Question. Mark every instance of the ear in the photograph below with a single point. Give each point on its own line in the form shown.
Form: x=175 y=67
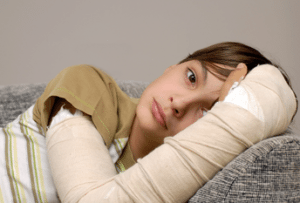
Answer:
x=236 y=75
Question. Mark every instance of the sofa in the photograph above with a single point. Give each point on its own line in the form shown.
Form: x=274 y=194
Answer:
x=269 y=171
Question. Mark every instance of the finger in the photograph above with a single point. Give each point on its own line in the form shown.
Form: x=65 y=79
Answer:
x=235 y=76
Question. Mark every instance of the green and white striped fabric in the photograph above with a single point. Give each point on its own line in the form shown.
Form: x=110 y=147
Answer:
x=24 y=167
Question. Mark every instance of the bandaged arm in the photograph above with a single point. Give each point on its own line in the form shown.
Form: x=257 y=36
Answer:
x=83 y=170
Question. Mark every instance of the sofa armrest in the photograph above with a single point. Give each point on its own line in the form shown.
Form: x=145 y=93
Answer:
x=267 y=172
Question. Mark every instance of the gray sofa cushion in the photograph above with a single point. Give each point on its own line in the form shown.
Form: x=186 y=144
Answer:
x=267 y=172
x=15 y=99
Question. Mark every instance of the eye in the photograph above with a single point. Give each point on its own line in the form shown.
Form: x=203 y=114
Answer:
x=191 y=76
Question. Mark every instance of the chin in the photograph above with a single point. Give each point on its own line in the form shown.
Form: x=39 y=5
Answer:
x=148 y=125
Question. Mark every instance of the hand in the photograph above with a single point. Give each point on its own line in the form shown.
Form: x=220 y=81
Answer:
x=236 y=75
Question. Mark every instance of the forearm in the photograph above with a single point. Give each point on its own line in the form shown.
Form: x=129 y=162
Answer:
x=177 y=169
x=83 y=170
x=77 y=156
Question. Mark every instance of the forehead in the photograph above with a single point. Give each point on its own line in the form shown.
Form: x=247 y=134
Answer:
x=194 y=63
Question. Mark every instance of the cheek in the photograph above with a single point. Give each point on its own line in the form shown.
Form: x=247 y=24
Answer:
x=143 y=115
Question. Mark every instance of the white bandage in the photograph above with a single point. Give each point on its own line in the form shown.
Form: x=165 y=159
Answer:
x=239 y=96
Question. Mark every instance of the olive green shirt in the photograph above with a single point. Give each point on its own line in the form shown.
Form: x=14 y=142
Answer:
x=93 y=92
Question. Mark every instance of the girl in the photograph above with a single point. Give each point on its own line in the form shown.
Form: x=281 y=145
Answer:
x=94 y=130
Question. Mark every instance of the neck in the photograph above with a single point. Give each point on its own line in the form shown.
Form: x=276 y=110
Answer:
x=140 y=144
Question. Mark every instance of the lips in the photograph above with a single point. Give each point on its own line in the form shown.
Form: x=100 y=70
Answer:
x=158 y=113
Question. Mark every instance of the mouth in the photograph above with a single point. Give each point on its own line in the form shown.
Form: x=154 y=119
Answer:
x=158 y=113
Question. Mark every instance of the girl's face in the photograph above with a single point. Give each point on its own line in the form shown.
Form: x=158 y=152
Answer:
x=176 y=99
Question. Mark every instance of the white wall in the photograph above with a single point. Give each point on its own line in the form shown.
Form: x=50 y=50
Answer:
x=137 y=40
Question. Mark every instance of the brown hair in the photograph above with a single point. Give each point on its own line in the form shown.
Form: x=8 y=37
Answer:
x=231 y=54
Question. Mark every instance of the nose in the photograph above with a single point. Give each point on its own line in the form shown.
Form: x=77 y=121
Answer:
x=180 y=105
